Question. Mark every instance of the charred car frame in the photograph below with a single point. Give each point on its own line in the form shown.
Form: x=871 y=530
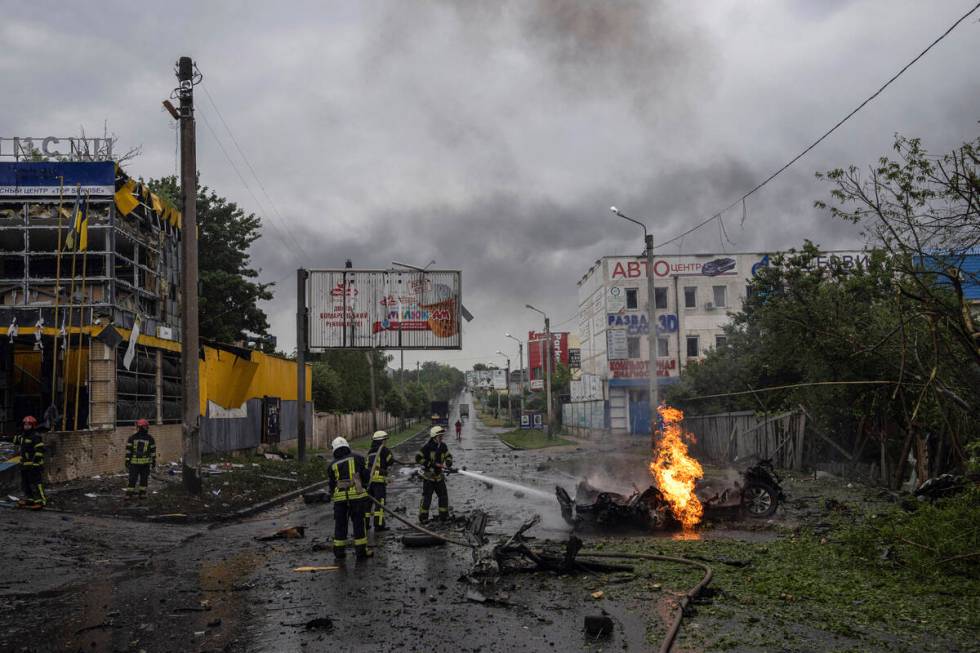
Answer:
x=757 y=495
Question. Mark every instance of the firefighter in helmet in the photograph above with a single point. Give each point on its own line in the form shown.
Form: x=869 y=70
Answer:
x=434 y=457
x=348 y=480
x=31 y=465
x=141 y=456
x=380 y=460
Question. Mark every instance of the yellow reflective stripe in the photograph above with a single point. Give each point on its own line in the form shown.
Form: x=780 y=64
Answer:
x=361 y=541
x=340 y=543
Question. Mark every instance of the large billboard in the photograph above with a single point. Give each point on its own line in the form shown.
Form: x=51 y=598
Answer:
x=383 y=309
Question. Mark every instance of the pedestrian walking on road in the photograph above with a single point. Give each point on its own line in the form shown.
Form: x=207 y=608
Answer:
x=348 y=479
x=380 y=460
x=459 y=430
x=31 y=465
x=141 y=457
x=435 y=459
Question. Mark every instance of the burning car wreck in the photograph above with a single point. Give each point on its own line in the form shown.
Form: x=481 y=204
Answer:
x=756 y=494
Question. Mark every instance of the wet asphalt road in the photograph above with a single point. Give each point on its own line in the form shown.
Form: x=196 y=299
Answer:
x=112 y=584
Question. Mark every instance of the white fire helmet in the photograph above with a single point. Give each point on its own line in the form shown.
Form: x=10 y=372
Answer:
x=380 y=435
x=436 y=430
x=338 y=443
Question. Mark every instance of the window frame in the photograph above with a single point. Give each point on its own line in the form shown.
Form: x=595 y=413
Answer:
x=690 y=293
x=697 y=345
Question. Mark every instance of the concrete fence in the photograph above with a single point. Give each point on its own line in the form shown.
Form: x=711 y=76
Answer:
x=327 y=426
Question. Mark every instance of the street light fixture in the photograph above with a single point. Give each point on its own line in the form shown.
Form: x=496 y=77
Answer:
x=510 y=409
x=651 y=314
x=520 y=357
x=547 y=366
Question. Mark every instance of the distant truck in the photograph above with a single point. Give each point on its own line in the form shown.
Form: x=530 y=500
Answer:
x=439 y=410
x=464 y=411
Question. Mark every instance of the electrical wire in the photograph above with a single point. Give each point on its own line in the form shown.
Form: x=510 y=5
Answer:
x=792 y=385
x=255 y=175
x=241 y=178
x=717 y=215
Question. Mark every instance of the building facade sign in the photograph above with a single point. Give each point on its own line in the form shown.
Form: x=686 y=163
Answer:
x=383 y=309
x=617 y=346
x=636 y=368
x=54 y=178
x=681 y=266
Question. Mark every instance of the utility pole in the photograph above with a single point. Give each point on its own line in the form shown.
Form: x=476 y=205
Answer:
x=374 y=405
x=190 y=340
x=301 y=277
x=520 y=358
x=651 y=315
x=547 y=373
x=547 y=365
x=652 y=332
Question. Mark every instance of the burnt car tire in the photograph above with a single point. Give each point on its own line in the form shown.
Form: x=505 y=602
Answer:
x=760 y=500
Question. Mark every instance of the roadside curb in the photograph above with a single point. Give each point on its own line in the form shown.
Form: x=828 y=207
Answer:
x=241 y=513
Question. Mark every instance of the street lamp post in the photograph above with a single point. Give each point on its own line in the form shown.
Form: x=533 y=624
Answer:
x=510 y=409
x=651 y=314
x=520 y=357
x=547 y=366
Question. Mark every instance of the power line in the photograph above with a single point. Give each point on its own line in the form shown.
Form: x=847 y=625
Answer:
x=717 y=215
x=252 y=170
x=793 y=385
x=234 y=167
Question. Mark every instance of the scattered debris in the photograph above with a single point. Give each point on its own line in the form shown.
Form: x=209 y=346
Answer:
x=941 y=486
x=421 y=540
x=290 y=533
x=279 y=478
x=273 y=456
x=598 y=595
x=320 y=496
x=303 y=569
x=91 y=495
x=598 y=626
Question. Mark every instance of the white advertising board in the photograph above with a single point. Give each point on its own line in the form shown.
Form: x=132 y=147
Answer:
x=617 y=346
x=383 y=309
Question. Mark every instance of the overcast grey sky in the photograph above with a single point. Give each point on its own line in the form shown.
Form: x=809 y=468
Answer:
x=493 y=136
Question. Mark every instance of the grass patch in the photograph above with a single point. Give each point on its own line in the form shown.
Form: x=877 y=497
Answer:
x=394 y=437
x=531 y=439
x=856 y=587
x=496 y=422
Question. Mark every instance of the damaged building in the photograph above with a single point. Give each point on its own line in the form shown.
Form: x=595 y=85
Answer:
x=69 y=302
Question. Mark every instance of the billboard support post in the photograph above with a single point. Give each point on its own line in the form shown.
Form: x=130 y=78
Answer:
x=301 y=276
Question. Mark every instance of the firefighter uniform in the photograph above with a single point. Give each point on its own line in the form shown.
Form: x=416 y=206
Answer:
x=32 y=468
x=141 y=456
x=380 y=460
x=348 y=480
x=434 y=457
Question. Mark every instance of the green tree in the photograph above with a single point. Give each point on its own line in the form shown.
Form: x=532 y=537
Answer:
x=229 y=290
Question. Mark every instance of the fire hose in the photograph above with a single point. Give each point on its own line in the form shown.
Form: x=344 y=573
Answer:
x=420 y=528
x=675 y=627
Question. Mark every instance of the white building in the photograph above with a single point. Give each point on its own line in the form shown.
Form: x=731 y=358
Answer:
x=695 y=295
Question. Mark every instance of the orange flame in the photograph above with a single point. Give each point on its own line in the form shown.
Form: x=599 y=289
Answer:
x=676 y=471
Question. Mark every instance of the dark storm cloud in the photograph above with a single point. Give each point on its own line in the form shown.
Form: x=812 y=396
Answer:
x=493 y=136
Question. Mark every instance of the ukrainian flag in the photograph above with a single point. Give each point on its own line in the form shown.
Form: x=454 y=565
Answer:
x=77 y=238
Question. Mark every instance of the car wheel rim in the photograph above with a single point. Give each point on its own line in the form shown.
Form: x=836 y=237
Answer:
x=759 y=501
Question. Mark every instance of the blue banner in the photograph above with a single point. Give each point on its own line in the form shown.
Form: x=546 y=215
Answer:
x=46 y=178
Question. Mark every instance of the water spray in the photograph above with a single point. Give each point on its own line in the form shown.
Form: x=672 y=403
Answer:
x=510 y=485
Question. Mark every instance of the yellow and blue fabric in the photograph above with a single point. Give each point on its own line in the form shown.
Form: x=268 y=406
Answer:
x=77 y=238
